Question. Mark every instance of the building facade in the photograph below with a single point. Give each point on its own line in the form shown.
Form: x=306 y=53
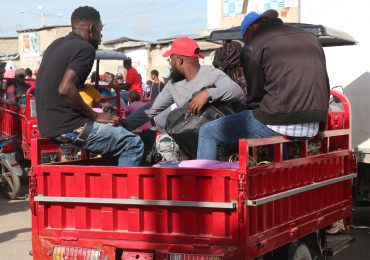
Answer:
x=147 y=56
x=33 y=42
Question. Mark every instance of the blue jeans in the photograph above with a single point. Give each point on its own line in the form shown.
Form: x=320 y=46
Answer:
x=124 y=95
x=229 y=130
x=115 y=141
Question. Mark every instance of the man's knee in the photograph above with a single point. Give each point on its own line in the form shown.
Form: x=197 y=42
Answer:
x=137 y=143
x=205 y=130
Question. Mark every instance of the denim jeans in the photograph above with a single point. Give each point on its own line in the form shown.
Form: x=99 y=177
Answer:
x=115 y=141
x=229 y=130
x=124 y=95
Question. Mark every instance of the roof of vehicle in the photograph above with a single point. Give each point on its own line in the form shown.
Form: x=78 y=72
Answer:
x=109 y=55
x=327 y=36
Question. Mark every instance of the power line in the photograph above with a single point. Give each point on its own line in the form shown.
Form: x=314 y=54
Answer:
x=147 y=10
x=167 y=25
x=131 y=7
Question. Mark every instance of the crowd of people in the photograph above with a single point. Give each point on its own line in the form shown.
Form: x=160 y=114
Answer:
x=14 y=83
x=287 y=90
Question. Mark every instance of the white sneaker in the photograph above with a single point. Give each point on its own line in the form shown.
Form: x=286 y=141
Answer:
x=336 y=227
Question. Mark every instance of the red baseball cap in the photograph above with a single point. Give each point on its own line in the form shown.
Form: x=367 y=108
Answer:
x=184 y=46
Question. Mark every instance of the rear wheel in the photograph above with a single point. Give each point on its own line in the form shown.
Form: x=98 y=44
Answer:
x=9 y=184
x=299 y=251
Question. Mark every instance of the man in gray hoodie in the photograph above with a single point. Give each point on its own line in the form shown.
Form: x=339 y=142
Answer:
x=188 y=77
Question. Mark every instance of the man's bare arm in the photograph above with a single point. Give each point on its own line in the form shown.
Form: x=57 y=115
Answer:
x=68 y=89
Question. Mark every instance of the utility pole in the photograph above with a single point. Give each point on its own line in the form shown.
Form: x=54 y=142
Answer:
x=41 y=15
x=245 y=6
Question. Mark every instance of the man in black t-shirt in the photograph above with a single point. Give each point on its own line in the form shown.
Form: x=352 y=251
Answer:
x=61 y=112
x=156 y=86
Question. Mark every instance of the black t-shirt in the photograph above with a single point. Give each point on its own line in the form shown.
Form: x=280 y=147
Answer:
x=155 y=89
x=54 y=114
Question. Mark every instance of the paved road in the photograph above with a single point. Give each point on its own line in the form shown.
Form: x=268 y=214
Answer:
x=15 y=228
x=15 y=231
x=360 y=250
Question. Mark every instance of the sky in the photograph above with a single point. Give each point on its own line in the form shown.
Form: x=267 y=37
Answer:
x=137 y=19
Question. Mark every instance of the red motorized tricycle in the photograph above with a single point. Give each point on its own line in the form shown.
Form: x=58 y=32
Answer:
x=17 y=127
x=278 y=208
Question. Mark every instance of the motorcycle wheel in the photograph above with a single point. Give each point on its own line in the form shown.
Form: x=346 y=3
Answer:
x=10 y=183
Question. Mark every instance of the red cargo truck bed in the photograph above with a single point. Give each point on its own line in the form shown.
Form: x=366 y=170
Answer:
x=177 y=212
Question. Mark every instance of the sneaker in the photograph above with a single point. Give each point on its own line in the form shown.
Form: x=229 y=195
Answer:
x=336 y=228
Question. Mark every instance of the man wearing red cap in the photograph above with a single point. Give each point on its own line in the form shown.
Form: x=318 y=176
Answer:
x=188 y=77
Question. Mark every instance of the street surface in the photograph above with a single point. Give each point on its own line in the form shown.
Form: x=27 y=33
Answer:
x=15 y=228
x=15 y=231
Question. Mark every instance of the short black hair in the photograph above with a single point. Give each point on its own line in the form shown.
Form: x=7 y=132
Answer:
x=155 y=72
x=113 y=76
x=127 y=62
x=85 y=13
x=28 y=72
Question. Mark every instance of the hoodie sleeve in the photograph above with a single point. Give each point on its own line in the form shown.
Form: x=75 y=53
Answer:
x=225 y=88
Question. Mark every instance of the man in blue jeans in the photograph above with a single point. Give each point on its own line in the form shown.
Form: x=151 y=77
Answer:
x=287 y=86
x=61 y=112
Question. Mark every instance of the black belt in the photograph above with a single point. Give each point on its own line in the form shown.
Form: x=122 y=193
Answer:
x=81 y=136
x=85 y=132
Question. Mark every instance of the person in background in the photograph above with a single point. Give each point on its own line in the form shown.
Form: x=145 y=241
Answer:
x=110 y=78
x=16 y=91
x=156 y=86
x=146 y=132
x=133 y=79
x=28 y=73
x=61 y=112
x=31 y=80
x=92 y=97
x=106 y=81
x=287 y=89
x=123 y=89
x=119 y=82
x=134 y=104
x=2 y=85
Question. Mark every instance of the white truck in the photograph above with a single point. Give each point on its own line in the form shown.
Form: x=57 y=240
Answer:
x=349 y=66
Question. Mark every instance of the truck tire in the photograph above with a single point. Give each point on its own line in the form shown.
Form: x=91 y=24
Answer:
x=10 y=183
x=299 y=252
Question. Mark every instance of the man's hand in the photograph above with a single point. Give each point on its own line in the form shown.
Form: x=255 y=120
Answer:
x=319 y=137
x=106 y=118
x=198 y=102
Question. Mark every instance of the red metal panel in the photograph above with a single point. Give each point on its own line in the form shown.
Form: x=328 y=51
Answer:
x=200 y=185
x=294 y=207
x=162 y=229
x=11 y=120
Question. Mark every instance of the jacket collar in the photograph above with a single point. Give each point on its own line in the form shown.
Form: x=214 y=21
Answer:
x=267 y=25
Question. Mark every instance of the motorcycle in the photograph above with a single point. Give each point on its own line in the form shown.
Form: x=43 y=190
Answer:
x=10 y=170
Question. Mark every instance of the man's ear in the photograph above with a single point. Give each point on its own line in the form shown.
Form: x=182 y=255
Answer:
x=254 y=27
x=91 y=28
